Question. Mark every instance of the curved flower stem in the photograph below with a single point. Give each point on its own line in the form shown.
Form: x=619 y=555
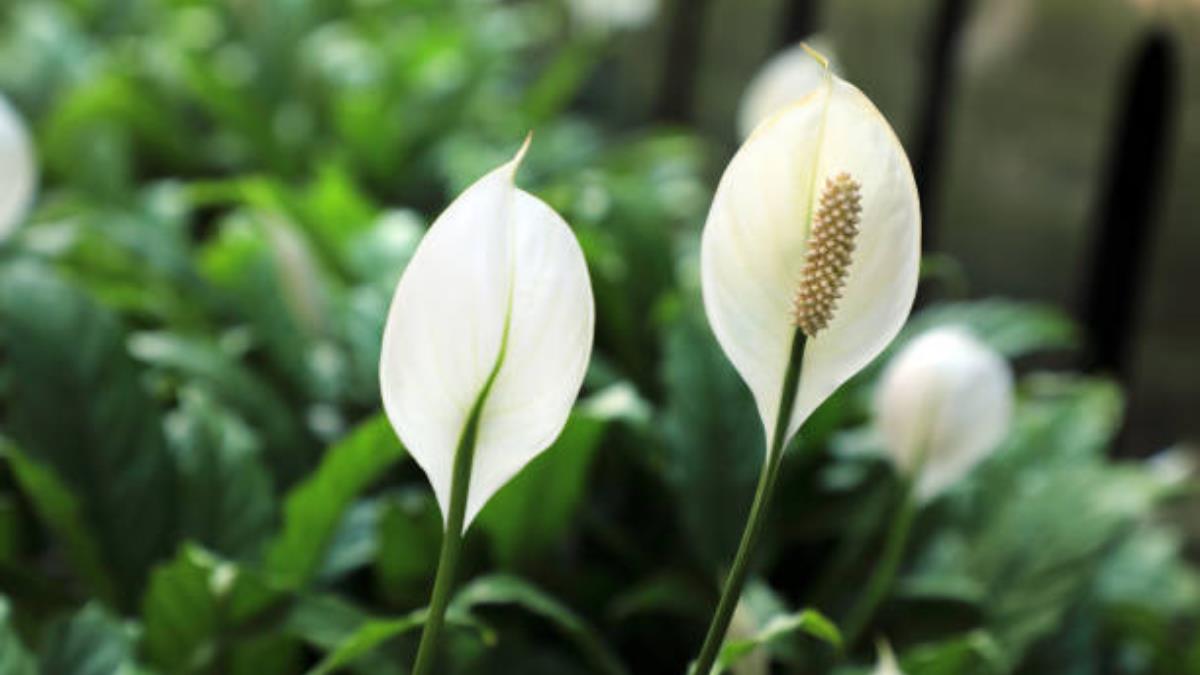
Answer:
x=736 y=579
x=452 y=539
x=885 y=571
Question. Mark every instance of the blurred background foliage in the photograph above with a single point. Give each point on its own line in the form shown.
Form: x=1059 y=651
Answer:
x=196 y=475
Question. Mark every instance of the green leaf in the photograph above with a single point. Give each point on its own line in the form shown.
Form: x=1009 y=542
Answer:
x=533 y=513
x=202 y=363
x=714 y=439
x=975 y=652
x=225 y=495
x=315 y=508
x=92 y=642
x=366 y=638
x=808 y=621
x=201 y=614
x=1011 y=327
x=14 y=658
x=60 y=511
x=75 y=404
x=180 y=611
x=410 y=534
x=509 y=590
x=351 y=636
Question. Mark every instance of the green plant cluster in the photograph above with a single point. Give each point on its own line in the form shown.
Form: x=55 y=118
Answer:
x=196 y=477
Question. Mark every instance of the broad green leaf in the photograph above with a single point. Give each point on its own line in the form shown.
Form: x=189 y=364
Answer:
x=368 y=636
x=975 y=653
x=14 y=658
x=202 y=363
x=410 y=534
x=180 y=611
x=353 y=637
x=75 y=403
x=509 y=590
x=60 y=511
x=226 y=502
x=714 y=440
x=314 y=509
x=1011 y=327
x=200 y=613
x=91 y=642
x=533 y=513
x=808 y=621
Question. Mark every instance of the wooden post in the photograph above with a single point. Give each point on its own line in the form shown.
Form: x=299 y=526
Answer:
x=799 y=21
x=937 y=91
x=682 y=61
x=1126 y=206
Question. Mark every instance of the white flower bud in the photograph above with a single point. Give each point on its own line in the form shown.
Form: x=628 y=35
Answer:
x=944 y=402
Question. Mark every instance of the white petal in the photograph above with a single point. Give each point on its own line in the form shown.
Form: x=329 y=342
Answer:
x=882 y=279
x=549 y=344
x=754 y=243
x=942 y=405
x=445 y=328
x=18 y=172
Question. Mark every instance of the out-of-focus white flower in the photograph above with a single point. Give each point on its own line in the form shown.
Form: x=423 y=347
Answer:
x=1175 y=465
x=944 y=402
x=608 y=15
x=886 y=665
x=491 y=323
x=18 y=170
x=786 y=78
x=996 y=30
x=813 y=236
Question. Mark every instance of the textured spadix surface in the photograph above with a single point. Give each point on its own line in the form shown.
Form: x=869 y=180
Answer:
x=758 y=233
x=498 y=283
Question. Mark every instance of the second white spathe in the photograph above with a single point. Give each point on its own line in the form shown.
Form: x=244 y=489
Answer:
x=943 y=403
x=757 y=240
x=496 y=292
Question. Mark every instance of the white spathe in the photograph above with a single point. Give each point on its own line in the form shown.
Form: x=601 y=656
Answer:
x=942 y=405
x=785 y=78
x=498 y=282
x=754 y=244
x=18 y=171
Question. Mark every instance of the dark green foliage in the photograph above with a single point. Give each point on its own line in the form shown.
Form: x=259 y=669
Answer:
x=196 y=478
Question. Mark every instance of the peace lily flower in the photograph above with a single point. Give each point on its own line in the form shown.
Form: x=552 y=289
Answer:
x=484 y=352
x=808 y=269
x=787 y=77
x=942 y=405
x=18 y=172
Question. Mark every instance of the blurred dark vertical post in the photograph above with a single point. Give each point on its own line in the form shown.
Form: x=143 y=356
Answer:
x=937 y=90
x=682 y=63
x=1126 y=204
x=799 y=21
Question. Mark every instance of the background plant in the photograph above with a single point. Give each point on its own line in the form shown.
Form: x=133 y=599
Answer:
x=197 y=478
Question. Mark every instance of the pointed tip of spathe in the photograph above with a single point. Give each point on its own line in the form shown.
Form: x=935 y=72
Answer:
x=818 y=56
x=515 y=162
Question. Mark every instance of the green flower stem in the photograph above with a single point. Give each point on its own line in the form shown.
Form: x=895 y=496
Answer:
x=736 y=579
x=452 y=539
x=885 y=571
